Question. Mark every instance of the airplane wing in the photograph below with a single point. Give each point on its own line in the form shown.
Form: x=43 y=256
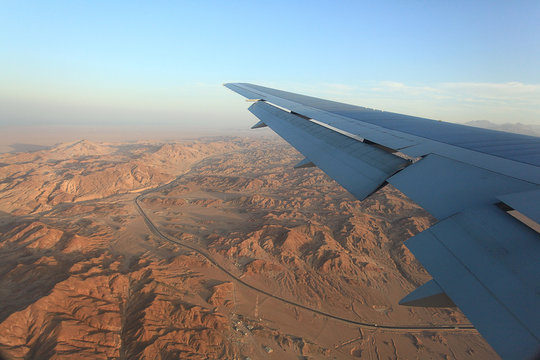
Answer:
x=482 y=185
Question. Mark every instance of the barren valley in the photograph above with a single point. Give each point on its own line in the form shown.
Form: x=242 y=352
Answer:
x=208 y=249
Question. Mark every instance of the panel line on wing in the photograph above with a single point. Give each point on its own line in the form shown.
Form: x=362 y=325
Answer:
x=387 y=130
x=531 y=223
x=483 y=258
x=369 y=142
x=359 y=167
x=440 y=132
x=387 y=149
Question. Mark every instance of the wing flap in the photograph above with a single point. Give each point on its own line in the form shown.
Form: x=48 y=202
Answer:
x=526 y=203
x=358 y=167
x=377 y=134
x=444 y=186
x=486 y=262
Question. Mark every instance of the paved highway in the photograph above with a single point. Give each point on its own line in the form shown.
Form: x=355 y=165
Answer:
x=367 y=325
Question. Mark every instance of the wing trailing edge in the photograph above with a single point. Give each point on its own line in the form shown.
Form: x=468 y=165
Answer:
x=482 y=185
x=359 y=167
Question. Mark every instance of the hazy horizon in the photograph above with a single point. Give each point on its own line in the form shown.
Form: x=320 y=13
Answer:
x=125 y=66
x=12 y=137
x=31 y=138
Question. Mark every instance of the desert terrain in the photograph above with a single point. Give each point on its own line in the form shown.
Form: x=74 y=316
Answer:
x=208 y=249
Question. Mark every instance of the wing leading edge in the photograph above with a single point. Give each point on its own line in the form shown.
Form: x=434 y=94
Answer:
x=482 y=185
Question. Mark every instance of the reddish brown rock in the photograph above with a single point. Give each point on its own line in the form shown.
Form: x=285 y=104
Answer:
x=83 y=276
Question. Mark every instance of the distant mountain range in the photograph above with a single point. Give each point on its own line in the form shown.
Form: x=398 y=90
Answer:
x=518 y=128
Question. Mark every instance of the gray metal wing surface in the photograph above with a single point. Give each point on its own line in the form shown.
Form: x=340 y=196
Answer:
x=482 y=185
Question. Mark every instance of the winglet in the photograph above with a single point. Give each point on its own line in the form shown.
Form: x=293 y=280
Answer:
x=428 y=295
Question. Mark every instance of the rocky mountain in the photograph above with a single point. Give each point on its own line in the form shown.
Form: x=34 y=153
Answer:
x=82 y=171
x=212 y=249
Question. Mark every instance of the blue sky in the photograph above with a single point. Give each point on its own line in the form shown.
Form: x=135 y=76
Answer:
x=161 y=63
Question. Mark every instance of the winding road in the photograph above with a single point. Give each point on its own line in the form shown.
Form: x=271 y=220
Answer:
x=366 y=325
